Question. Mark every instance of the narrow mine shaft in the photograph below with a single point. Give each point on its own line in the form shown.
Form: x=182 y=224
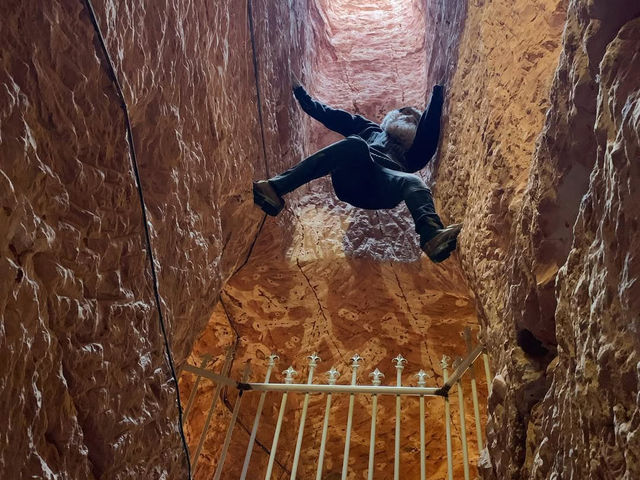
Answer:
x=326 y=277
x=130 y=134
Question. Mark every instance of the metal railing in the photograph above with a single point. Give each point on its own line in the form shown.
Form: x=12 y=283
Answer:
x=461 y=367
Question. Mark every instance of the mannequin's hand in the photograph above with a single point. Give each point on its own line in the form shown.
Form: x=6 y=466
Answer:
x=295 y=83
x=438 y=90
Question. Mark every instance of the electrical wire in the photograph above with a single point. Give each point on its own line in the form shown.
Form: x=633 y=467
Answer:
x=147 y=234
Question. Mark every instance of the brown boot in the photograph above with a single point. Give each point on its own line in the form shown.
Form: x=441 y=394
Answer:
x=440 y=246
x=265 y=196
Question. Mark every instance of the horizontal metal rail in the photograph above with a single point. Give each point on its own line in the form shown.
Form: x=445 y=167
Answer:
x=356 y=389
x=462 y=366
x=305 y=388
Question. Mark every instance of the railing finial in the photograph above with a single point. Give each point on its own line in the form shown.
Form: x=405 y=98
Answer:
x=444 y=363
x=289 y=373
x=355 y=361
x=422 y=376
x=272 y=359
x=314 y=359
x=400 y=361
x=333 y=375
x=376 y=375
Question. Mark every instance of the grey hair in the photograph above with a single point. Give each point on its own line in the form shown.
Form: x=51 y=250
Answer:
x=401 y=131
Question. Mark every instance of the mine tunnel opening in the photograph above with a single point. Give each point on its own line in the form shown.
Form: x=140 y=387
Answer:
x=328 y=278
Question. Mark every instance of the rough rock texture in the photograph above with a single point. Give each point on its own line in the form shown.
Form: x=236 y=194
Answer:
x=498 y=94
x=595 y=430
x=549 y=249
x=86 y=391
x=326 y=277
x=348 y=32
x=311 y=298
x=85 y=388
x=549 y=244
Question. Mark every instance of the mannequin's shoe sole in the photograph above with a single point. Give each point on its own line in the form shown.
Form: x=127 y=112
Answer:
x=266 y=198
x=439 y=248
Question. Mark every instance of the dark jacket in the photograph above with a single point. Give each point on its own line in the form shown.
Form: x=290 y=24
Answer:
x=384 y=150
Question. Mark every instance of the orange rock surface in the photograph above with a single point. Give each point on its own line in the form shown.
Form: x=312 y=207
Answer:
x=336 y=280
x=538 y=161
x=85 y=387
x=538 y=158
x=322 y=301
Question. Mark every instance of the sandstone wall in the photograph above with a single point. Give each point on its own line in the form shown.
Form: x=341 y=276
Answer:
x=538 y=159
x=549 y=234
x=593 y=430
x=85 y=387
x=498 y=95
x=369 y=57
x=326 y=277
x=298 y=304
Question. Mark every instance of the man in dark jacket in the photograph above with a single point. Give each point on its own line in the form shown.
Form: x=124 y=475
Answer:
x=370 y=167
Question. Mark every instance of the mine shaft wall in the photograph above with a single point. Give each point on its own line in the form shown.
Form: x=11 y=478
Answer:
x=329 y=278
x=85 y=387
x=539 y=159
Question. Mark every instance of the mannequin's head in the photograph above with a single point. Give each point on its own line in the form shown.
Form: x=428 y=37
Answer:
x=401 y=125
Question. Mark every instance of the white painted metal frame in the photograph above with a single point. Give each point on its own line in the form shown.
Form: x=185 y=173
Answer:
x=256 y=421
x=232 y=423
x=463 y=427
x=422 y=376
x=376 y=375
x=205 y=428
x=313 y=363
x=333 y=375
x=447 y=418
x=192 y=396
x=352 y=398
x=474 y=390
x=289 y=374
x=461 y=367
x=399 y=361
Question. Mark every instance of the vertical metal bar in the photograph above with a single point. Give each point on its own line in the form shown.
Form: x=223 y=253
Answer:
x=399 y=361
x=232 y=422
x=289 y=374
x=463 y=428
x=276 y=436
x=476 y=413
x=423 y=466
x=214 y=400
x=192 y=396
x=313 y=363
x=376 y=375
x=474 y=390
x=256 y=421
x=487 y=372
x=333 y=376
x=447 y=414
x=422 y=375
x=347 y=440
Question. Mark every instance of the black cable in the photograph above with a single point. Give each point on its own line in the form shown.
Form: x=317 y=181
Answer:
x=147 y=235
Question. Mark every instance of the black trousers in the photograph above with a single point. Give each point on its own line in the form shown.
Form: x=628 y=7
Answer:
x=361 y=182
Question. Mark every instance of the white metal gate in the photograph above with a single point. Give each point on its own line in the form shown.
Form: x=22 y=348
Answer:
x=462 y=366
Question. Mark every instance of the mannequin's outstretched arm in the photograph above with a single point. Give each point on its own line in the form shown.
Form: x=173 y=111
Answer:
x=425 y=143
x=334 y=119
